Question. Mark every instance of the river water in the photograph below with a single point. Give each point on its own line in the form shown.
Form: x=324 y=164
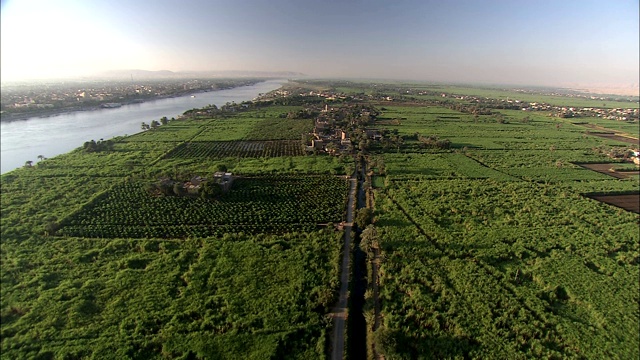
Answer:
x=24 y=140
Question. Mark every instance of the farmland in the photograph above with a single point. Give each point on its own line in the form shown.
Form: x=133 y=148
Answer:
x=272 y=204
x=492 y=244
x=94 y=265
x=494 y=248
x=250 y=149
x=116 y=298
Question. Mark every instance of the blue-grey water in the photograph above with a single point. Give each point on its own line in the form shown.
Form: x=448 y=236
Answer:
x=24 y=140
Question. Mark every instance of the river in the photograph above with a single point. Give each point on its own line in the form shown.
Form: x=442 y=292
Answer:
x=24 y=140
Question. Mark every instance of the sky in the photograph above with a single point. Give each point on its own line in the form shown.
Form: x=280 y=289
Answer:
x=528 y=42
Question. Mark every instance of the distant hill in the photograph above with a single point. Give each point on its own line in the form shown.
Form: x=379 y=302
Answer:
x=137 y=73
x=163 y=74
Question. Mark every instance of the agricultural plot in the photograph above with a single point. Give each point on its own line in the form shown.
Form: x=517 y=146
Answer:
x=242 y=149
x=497 y=93
x=172 y=132
x=615 y=137
x=292 y=165
x=123 y=160
x=628 y=127
x=541 y=165
x=616 y=170
x=234 y=297
x=630 y=202
x=437 y=166
x=23 y=195
x=254 y=205
x=539 y=132
x=280 y=129
x=491 y=250
x=226 y=129
x=506 y=269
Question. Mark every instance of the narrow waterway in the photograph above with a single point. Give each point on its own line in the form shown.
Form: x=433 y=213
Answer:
x=25 y=140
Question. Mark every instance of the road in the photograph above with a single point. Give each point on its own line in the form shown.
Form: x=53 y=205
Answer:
x=339 y=312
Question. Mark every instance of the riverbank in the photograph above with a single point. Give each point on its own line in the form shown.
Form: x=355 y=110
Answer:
x=45 y=113
x=26 y=140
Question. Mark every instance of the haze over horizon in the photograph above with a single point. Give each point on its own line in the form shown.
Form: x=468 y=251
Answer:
x=550 y=43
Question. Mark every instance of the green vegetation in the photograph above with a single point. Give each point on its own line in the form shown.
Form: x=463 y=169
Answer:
x=255 y=297
x=480 y=238
x=255 y=205
x=610 y=101
x=93 y=265
x=251 y=149
x=485 y=268
x=490 y=249
x=280 y=129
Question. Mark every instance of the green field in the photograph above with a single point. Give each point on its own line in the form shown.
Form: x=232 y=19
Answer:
x=491 y=251
x=272 y=204
x=501 y=93
x=128 y=274
x=485 y=248
x=236 y=296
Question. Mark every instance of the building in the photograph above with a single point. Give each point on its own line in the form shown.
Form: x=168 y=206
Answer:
x=224 y=179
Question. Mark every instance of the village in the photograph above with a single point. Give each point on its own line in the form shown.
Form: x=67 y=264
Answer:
x=24 y=99
x=337 y=129
x=474 y=104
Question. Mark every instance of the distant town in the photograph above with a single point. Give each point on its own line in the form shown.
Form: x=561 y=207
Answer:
x=21 y=101
x=479 y=105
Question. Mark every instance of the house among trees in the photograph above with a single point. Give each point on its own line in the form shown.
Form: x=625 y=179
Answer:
x=373 y=134
x=317 y=144
x=344 y=139
x=224 y=179
x=193 y=186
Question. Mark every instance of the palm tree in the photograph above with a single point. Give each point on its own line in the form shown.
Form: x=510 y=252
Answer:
x=41 y=157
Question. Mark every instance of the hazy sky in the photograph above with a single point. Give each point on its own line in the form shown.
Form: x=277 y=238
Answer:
x=512 y=41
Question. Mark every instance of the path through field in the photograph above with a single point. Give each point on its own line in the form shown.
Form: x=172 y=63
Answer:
x=339 y=312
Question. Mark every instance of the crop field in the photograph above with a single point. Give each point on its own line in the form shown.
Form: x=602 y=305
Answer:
x=630 y=202
x=539 y=132
x=616 y=137
x=239 y=296
x=483 y=268
x=280 y=129
x=437 y=166
x=243 y=149
x=628 y=127
x=226 y=129
x=504 y=245
x=172 y=133
x=491 y=249
x=255 y=205
x=612 y=169
x=497 y=93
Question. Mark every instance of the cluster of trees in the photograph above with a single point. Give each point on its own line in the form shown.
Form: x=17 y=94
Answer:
x=433 y=142
x=98 y=146
x=29 y=163
x=155 y=123
x=306 y=113
x=208 y=189
x=364 y=218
